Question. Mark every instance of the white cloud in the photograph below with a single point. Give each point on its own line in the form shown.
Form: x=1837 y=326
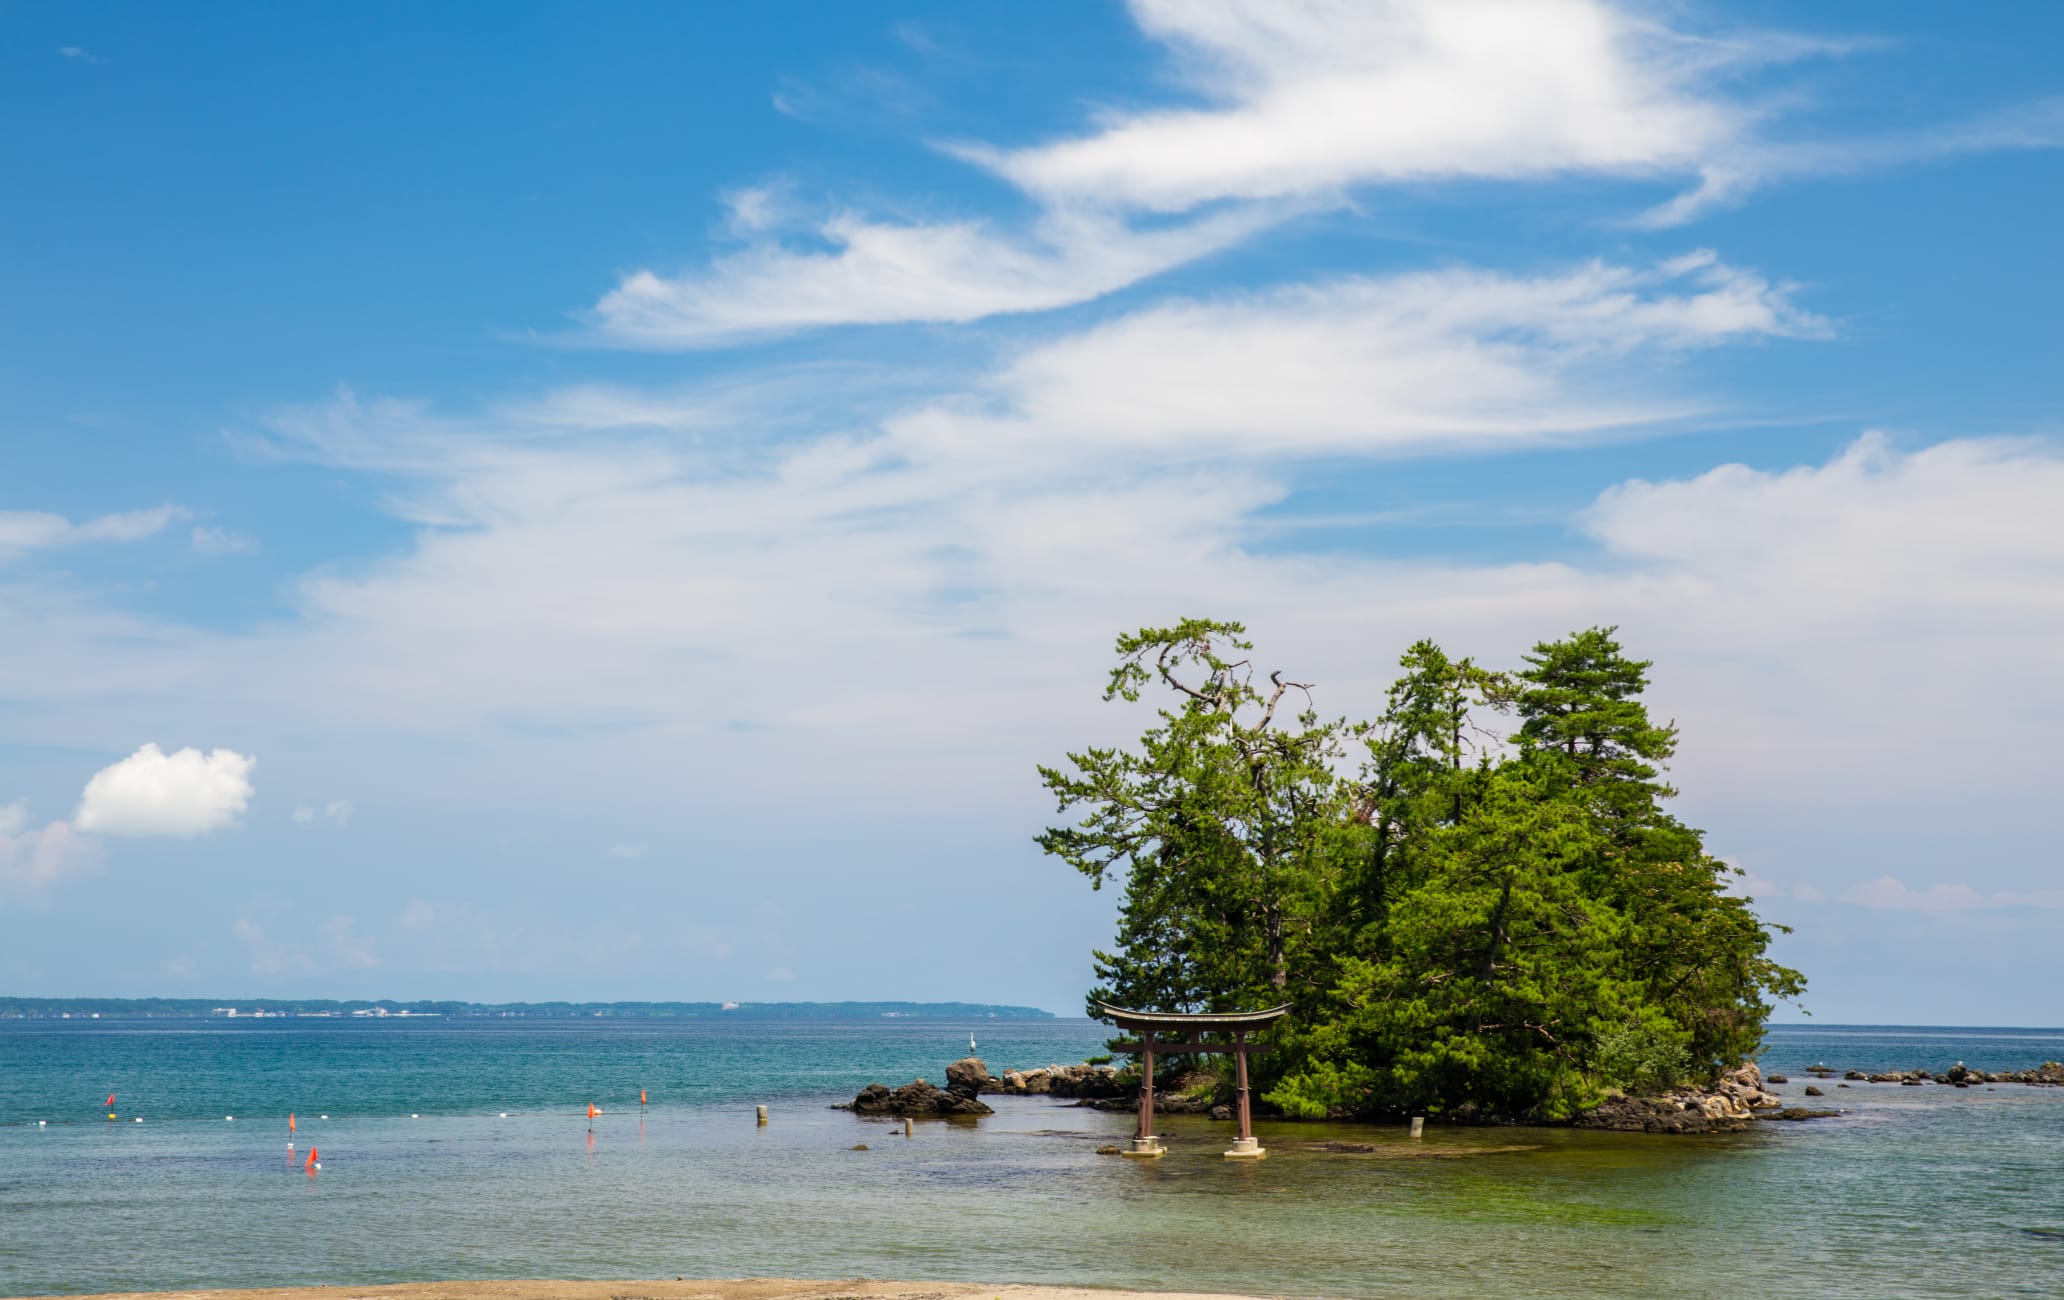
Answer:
x=878 y=273
x=33 y=859
x=1309 y=99
x=29 y=530
x=268 y=956
x=1755 y=164
x=337 y=814
x=211 y=540
x=345 y=946
x=1889 y=893
x=178 y=794
x=1429 y=361
x=1316 y=97
x=1305 y=102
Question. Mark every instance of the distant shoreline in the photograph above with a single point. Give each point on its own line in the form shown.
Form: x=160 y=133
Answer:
x=678 y=1289
x=384 y=1009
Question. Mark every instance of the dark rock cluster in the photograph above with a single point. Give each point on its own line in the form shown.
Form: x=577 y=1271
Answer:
x=2050 y=1074
x=920 y=1100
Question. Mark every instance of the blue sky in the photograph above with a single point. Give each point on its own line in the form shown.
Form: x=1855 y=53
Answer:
x=618 y=501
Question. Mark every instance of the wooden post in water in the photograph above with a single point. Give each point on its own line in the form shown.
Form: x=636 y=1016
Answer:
x=909 y=1127
x=762 y=1112
x=1145 y=1145
x=1418 y=1126
x=1244 y=1147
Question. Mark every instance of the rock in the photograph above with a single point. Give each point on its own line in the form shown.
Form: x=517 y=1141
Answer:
x=1077 y=1081
x=1800 y=1112
x=1857 y=1075
x=1745 y=1084
x=968 y=1075
x=862 y=1146
x=1812 y=1091
x=1727 y=1107
x=919 y=1100
x=1778 y=1078
x=1221 y=1112
x=1676 y=1113
x=2049 y=1074
x=1350 y=1148
x=1109 y=1151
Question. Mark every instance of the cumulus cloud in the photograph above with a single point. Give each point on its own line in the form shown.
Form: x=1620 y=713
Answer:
x=30 y=530
x=33 y=859
x=183 y=793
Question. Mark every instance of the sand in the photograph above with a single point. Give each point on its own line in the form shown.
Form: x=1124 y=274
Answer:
x=758 y=1288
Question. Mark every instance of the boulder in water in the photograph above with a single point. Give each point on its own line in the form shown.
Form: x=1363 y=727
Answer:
x=918 y=1100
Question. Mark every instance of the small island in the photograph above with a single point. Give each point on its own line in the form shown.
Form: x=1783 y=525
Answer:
x=1477 y=905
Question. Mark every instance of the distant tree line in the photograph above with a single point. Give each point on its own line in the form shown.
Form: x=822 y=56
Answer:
x=1478 y=899
x=205 y=1008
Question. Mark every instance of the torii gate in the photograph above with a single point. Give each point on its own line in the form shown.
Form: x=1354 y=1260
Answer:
x=1180 y=1032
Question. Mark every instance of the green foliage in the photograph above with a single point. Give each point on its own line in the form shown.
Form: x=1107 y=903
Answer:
x=1512 y=924
x=1218 y=822
x=1640 y=1056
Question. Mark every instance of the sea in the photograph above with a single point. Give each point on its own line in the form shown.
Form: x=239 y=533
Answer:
x=463 y=1149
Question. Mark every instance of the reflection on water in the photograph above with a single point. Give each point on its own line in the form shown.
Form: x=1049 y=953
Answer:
x=1916 y=1191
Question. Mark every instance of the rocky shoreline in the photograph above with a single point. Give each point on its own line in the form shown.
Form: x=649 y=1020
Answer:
x=1737 y=1102
x=2050 y=1074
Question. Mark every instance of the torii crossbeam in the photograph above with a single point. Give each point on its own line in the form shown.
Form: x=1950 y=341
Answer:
x=1183 y=1033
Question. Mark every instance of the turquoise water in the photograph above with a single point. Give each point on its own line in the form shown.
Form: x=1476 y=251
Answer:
x=1914 y=1191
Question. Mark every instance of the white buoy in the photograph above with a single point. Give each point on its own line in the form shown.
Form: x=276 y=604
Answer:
x=229 y=1119
x=139 y=1119
x=322 y=1116
x=415 y=1117
x=505 y=1114
x=42 y=1123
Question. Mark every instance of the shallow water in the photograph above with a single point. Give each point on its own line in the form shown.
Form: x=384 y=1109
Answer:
x=1913 y=1191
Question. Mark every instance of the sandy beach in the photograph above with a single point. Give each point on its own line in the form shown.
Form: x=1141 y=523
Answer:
x=757 y=1288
